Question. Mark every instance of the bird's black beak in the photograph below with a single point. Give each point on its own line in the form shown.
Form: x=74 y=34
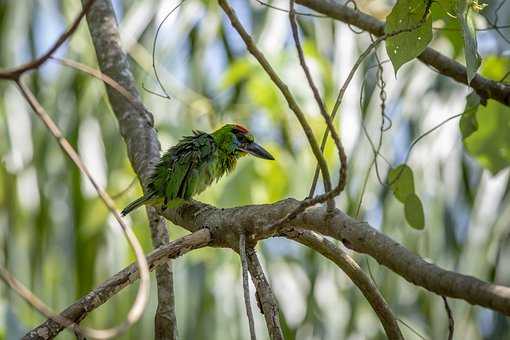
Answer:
x=256 y=150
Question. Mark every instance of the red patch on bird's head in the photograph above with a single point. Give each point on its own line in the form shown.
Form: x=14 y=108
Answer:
x=240 y=128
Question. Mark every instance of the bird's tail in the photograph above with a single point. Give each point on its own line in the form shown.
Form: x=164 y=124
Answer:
x=136 y=204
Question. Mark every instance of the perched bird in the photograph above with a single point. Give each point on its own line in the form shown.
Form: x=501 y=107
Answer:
x=189 y=167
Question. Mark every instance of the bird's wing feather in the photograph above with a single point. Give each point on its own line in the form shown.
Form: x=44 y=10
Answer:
x=178 y=173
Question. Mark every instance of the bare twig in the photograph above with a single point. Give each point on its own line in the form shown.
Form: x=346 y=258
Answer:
x=101 y=76
x=154 y=44
x=265 y=294
x=246 y=286
x=451 y=322
x=15 y=73
x=35 y=302
x=355 y=273
x=250 y=45
x=142 y=296
x=157 y=258
x=268 y=5
x=329 y=122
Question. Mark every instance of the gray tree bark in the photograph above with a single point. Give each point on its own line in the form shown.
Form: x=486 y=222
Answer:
x=137 y=128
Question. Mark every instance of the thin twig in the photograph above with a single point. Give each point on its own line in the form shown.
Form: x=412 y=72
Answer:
x=35 y=302
x=284 y=89
x=287 y=11
x=101 y=76
x=246 y=286
x=354 y=272
x=154 y=44
x=265 y=295
x=15 y=73
x=141 y=299
x=102 y=293
x=329 y=122
x=451 y=322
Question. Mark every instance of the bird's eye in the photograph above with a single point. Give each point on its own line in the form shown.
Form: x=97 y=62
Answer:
x=242 y=139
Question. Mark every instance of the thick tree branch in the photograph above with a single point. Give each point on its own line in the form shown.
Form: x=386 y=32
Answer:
x=157 y=258
x=136 y=127
x=485 y=88
x=359 y=236
x=352 y=269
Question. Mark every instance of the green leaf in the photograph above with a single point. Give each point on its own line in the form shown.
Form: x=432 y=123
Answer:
x=405 y=46
x=414 y=212
x=465 y=14
x=401 y=182
x=490 y=143
x=468 y=123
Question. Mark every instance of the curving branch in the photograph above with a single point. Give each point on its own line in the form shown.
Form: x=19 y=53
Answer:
x=485 y=88
x=322 y=108
x=354 y=272
x=359 y=236
x=102 y=293
x=284 y=89
x=16 y=72
x=137 y=128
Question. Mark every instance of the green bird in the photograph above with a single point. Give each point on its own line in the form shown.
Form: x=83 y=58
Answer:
x=189 y=167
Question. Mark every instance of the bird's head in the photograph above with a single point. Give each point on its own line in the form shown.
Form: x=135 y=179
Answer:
x=236 y=139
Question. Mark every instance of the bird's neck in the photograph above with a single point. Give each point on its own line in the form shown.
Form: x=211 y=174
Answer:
x=227 y=161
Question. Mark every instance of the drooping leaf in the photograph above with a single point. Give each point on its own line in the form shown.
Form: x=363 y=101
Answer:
x=490 y=143
x=465 y=15
x=414 y=212
x=413 y=16
x=401 y=182
x=468 y=123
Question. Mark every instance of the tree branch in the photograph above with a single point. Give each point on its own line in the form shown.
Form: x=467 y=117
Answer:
x=136 y=127
x=355 y=273
x=322 y=108
x=268 y=302
x=156 y=259
x=246 y=286
x=359 y=236
x=485 y=88
x=143 y=291
x=15 y=73
x=284 y=89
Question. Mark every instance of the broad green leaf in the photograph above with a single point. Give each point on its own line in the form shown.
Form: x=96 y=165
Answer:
x=490 y=143
x=405 y=46
x=444 y=15
x=468 y=123
x=414 y=212
x=465 y=14
x=401 y=182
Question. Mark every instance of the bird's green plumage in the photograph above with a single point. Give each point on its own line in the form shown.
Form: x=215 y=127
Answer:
x=189 y=167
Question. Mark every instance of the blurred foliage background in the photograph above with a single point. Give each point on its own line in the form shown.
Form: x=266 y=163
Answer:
x=57 y=237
